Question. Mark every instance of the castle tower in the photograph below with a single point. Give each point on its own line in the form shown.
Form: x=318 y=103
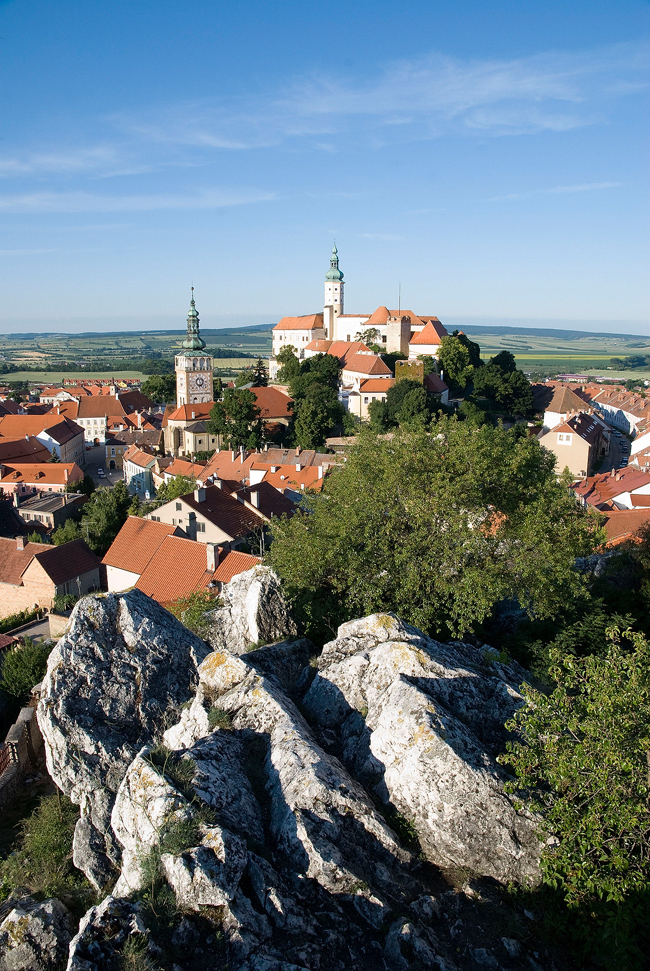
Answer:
x=333 y=305
x=192 y=365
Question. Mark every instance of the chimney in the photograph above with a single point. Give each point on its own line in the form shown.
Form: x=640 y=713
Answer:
x=199 y=494
x=241 y=453
x=20 y=542
x=232 y=455
x=320 y=471
x=193 y=414
x=298 y=466
x=16 y=499
x=255 y=498
x=212 y=557
x=66 y=474
x=26 y=438
x=297 y=451
x=58 y=409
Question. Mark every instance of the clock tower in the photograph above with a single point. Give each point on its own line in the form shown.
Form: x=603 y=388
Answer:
x=192 y=365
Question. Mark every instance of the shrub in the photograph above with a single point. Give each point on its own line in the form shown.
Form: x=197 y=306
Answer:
x=43 y=860
x=219 y=718
x=191 y=610
x=23 y=667
x=18 y=619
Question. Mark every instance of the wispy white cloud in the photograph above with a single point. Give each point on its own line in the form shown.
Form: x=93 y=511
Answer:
x=44 y=202
x=408 y=100
x=559 y=190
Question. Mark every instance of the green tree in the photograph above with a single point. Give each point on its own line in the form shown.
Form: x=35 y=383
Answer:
x=453 y=358
x=180 y=485
x=217 y=388
x=369 y=336
x=438 y=527
x=582 y=759
x=161 y=388
x=320 y=369
x=104 y=515
x=289 y=364
x=236 y=418
x=504 y=385
x=317 y=412
x=66 y=533
x=37 y=537
x=23 y=667
x=85 y=486
x=473 y=349
x=260 y=374
x=406 y=402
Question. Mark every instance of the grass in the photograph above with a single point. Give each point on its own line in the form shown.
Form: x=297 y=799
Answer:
x=219 y=718
x=42 y=858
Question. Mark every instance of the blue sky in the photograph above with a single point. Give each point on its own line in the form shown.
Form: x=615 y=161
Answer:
x=492 y=157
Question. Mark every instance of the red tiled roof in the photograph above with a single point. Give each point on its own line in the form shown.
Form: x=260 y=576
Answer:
x=41 y=473
x=65 y=562
x=179 y=567
x=428 y=335
x=14 y=562
x=138 y=456
x=288 y=477
x=273 y=403
x=623 y=524
x=193 y=470
x=18 y=449
x=374 y=385
x=308 y=322
x=225 y=512
x=434 y=383
x=60 y=428
x=136 y=543
x=196 y=412
x=270 y=502
x=586 y=426
x=222 y=465
x=367 y=364
x=599 y=489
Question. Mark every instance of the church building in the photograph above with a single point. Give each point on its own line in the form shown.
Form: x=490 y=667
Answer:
x=192 y=365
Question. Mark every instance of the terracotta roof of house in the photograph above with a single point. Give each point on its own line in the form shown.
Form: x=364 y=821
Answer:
x=564 y=402
x=639 y=502
x=308 y=322
x=287 y=477
x=273 y=403
x=586 y=426
x=9 y=407
x=225 y=512
x=623 y=524
x=14 y=562
x=200 y=411
x=41 y=473
x=367 y=364
x=271 y=502
x=428 y=335
x=179 y=567
x=376 y=385
x=135 y=436
x=100 y=406
x=138 y=456
x=6 y=640
x=18 y=449
x=135 y=401
x=193 y=470
x=65 y=562
x=604 y=487
x=58 y=427
x=136 y=543
x=437 y=325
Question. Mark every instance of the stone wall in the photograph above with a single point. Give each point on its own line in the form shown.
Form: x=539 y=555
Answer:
x=22 y=749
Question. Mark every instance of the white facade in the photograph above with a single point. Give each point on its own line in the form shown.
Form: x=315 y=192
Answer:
x=193 y=379
x=119 y=580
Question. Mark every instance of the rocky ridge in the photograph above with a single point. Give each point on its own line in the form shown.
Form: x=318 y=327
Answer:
x=268 y=813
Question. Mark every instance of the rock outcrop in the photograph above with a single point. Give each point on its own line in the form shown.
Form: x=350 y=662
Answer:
x=421 y=723
x=34 y=936
x=114 y=681
x=254 y=612
x=287 y=818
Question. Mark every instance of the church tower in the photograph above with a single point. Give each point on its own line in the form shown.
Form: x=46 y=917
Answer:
x=192 y=365
x=333 y=295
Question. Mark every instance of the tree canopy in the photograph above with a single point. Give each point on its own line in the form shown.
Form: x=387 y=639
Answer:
x=236 y=418
x=438 y=526
x=454 y=362
x=504 y=385
x=103 y=516
x=160 y=388
x=406 y=403
x=289 y=364
x=180 y=485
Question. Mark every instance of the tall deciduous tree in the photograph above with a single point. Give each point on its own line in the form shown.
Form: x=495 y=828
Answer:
x=237 y=419
x=180 y=485
x=289 y=364
x=454 y=361
x=160 y=388
x=502 y=383
x=103 y=516
x=437 y=526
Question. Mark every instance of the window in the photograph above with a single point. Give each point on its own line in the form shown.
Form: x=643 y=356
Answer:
x=112 y=451
x=178 y=506
x=365 y=401
x=200 y=527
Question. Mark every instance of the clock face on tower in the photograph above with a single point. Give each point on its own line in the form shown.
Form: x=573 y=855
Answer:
x=197 y=382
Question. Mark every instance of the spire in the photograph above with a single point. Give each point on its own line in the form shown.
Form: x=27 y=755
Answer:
x=334 y=273
x=193 y=341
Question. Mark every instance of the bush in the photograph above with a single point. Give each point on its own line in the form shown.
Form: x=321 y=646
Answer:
x=191 y=610
x=219 y=718
x=64 y=601
x=43 y=861
x=20 y=618
x=23 y=667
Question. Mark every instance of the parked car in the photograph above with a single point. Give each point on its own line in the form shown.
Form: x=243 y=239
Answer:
x=101 y=473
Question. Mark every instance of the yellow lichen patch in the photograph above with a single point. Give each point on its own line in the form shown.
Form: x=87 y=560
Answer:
x=213 y=661
x=383 y=622
x=16 y=931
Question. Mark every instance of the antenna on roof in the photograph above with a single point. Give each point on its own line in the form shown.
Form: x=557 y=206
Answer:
x=399 y=299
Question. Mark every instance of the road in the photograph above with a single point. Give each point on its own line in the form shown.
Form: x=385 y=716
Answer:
x=615 y=456
x=96 y=459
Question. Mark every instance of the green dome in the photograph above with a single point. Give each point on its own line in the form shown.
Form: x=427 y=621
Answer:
x=334 y=273
x=193 y=341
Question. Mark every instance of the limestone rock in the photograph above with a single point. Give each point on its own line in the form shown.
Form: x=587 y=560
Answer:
x=120 y=673
x=35 y=936
x=102 y=934
x=421 y=723
x=254 y=612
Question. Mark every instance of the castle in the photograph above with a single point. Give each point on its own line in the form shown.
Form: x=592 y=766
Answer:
x=394 y=331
